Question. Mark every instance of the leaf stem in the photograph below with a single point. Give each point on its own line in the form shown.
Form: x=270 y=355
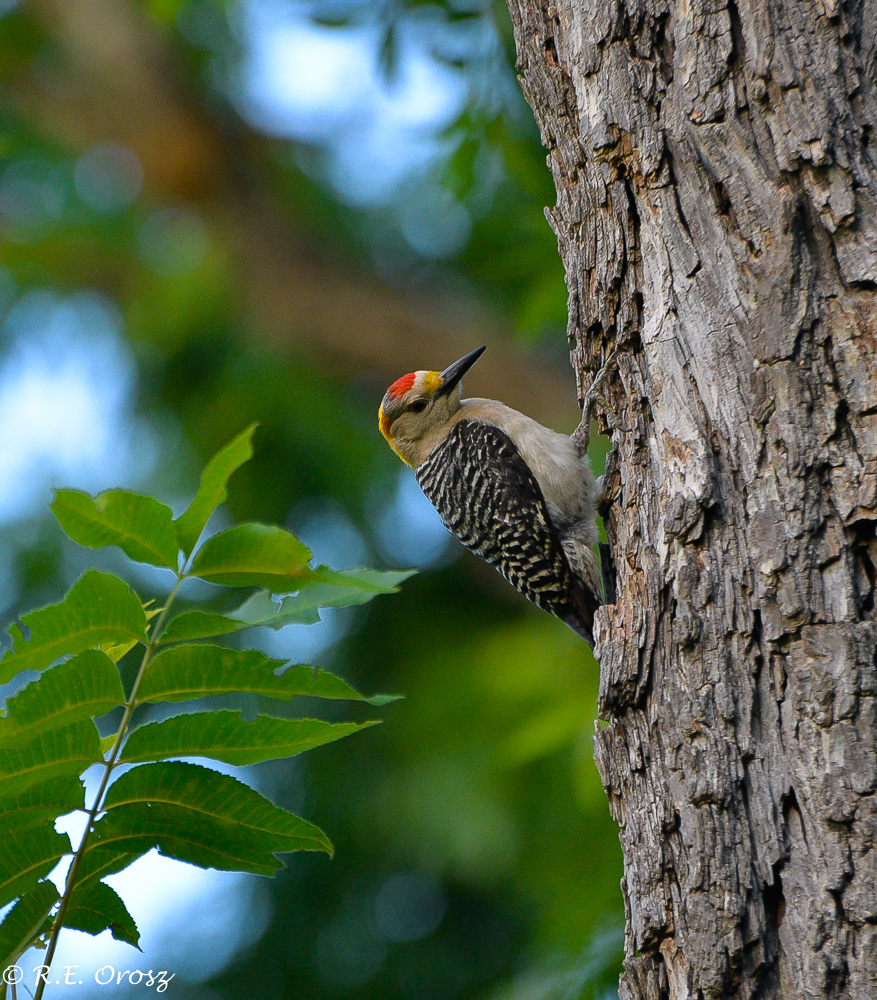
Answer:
x=109 y=764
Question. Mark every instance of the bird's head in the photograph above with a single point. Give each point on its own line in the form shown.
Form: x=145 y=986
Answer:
x=419 y=402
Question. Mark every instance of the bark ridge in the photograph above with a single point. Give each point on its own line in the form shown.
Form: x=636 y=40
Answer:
x=717 y=217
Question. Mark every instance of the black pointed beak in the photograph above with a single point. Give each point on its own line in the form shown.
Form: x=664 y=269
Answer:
x=453 y=373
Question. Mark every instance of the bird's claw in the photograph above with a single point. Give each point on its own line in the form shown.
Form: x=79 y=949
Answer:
x=582 y=434
x=595 y=393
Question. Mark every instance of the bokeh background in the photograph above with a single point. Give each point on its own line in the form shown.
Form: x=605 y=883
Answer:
x=217 y=212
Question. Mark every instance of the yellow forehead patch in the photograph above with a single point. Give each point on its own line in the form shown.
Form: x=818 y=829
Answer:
x=432 y=382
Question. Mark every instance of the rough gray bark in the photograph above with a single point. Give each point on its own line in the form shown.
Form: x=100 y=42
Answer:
x=717 y=215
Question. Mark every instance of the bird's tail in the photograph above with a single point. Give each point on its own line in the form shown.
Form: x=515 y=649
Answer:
x=586 y=597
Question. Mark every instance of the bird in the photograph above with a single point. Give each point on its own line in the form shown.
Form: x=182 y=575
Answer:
x=519 y=495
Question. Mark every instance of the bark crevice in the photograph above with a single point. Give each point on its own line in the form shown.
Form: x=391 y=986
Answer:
x=717 y=216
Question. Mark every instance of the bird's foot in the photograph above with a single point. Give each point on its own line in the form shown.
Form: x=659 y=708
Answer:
x=595 y=393
x=582 y=434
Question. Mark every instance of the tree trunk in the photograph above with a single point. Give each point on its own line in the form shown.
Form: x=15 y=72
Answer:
x=717 y=215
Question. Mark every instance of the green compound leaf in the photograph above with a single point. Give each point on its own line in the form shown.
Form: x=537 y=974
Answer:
x=41 y=803
x=241 y=822
x=253 y=555
x=94 y=907
x=99 y=609
x=325 y=588
x=370 y=581
x=54 y=754
x=116 y=650
x=212 y=491
x=320 y=588
x=25 y=921
x=199 y=816
x=102 y=859
x=225 y=736
x=202 y=671
x=199 y=625
x=141 y=526
x=28 y=856
x=85 y=687
x=177 y=833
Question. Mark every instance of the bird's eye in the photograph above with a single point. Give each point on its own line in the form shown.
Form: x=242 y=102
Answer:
x=418 y=406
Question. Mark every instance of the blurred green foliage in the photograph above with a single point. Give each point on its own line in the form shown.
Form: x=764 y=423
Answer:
x=226 y=269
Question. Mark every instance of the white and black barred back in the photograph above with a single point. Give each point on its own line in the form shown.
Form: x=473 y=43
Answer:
x=487 y=497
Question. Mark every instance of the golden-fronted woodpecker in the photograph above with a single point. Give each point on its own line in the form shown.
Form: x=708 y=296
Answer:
x=517 y=494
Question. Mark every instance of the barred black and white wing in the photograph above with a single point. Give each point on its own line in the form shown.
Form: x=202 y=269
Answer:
x=487 y=497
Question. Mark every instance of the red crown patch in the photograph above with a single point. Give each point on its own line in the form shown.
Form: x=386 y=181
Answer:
x=402 y=385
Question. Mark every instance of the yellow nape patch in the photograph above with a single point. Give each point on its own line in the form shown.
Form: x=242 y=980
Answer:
x=384 y=424
x=432 y=382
